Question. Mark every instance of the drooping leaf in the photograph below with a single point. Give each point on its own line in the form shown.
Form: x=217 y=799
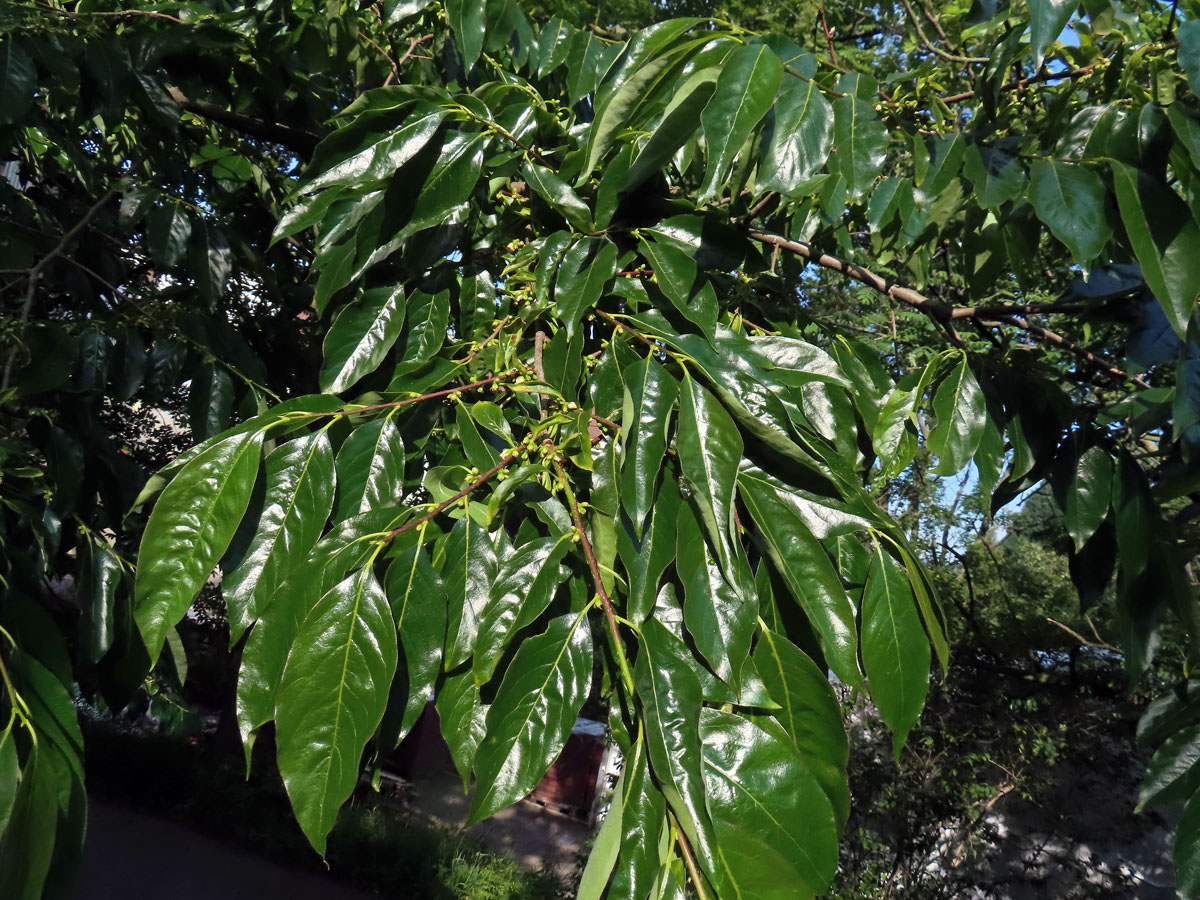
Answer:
x=524 y=586
x=895 y=649
x=861 y=142
x=643 y=820
x=533 y=713
x=99 y=581
x=332 y=698
x=645 y=560
x=587 y=265
x=801 y=135
x=1165 y=238
x=464 y=720
x=808 y=712
x=418 y=603
x=470 y=570
x=809 y=575
x=776 y=831
x=299 y=495
x=190 y=527
x=1086 y=496
x=961 y=416
x=1049 y=18
x=721 y=623
x=466 y=17
x=649 y=398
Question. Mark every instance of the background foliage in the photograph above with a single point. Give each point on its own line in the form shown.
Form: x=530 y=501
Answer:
x=534 y=357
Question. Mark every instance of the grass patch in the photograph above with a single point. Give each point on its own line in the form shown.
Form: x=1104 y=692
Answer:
x=373 y=847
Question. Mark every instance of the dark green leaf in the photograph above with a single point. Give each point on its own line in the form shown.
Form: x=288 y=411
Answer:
x=524 y=586
x=190 y=528
x=27 y=846
x=370 y=469
x=558 y=194
x=532 y=715
x=1070 y=200
x=643 y=821
x=997 y=176
x=860 y=141
x=809 y=575
x=895 y=649
x=470 y=569
x=961 y=416
x=774 y=825
x=745 y=91
x=382 y=155
x=679 y=277
x=332 y=698
x=100 y=579
x=586 y=267
x=800 y=138
x=721 y=623
x=466 y=17
x=1086 y=496
x=649 y=399
x=1049 y=18
x=670 y=698
x=645 y=560
x=1166 y=240
x=1187 y=849
x=299 y=496
x=808 y=712
x=360 y=338
x=418 y=600
x=18 y=79
x=463 y=718
x=1173 y=773
x=210 y=401
x=678 y=123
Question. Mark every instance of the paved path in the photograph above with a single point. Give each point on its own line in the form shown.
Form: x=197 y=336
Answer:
x=132 y=856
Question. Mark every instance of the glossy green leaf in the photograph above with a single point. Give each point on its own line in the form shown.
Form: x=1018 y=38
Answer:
x=1166 y=240
x=646 y=559
x=643 y=820
x=360 y=338
x=470 y=570
x=532 y=714
x=745 y=91
x=464 y=720
x=418 y=600
x=809 y=574
x=300 y=483
x=607 y=844
x=586 y=267
x=1088 y=494
x=649 y=399
x=861 y=143
x=808 y=712
x=801 y=134
x=1173 y=773
x=775 y=827
x=1070 y=200
x=383 y=154
x=895 y=649
x=710 y=450
x=210 y=401
x=678 y=123
x=524 y=586
x=680 y=279
x=27 y=846
x=559 y=195
x=671 y=701
x=466 y=17
x=720 y=622
x=1049 y=18
x=190 y=528
x=332 y=698
x=370 y=469
x=961 y=416
x=428 y=316
x=100 y=579
x=1186 y=857
x=266 y=650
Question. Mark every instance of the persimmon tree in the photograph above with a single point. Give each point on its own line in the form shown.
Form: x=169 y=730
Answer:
x=579 y=423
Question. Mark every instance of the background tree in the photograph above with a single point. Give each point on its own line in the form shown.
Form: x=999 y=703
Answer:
x=584 y=400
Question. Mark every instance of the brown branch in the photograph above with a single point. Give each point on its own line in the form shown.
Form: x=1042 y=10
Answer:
x=933 y=48
x=486 y=341
x=391 y=62
x=296 y=139
x=483 y=479
x=1096 y=362
x=396 y=404
x=35 y=274
x=597 y=579
x=1025 y=82
x=828 y=33
x=621 y=325
x=413 y=44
